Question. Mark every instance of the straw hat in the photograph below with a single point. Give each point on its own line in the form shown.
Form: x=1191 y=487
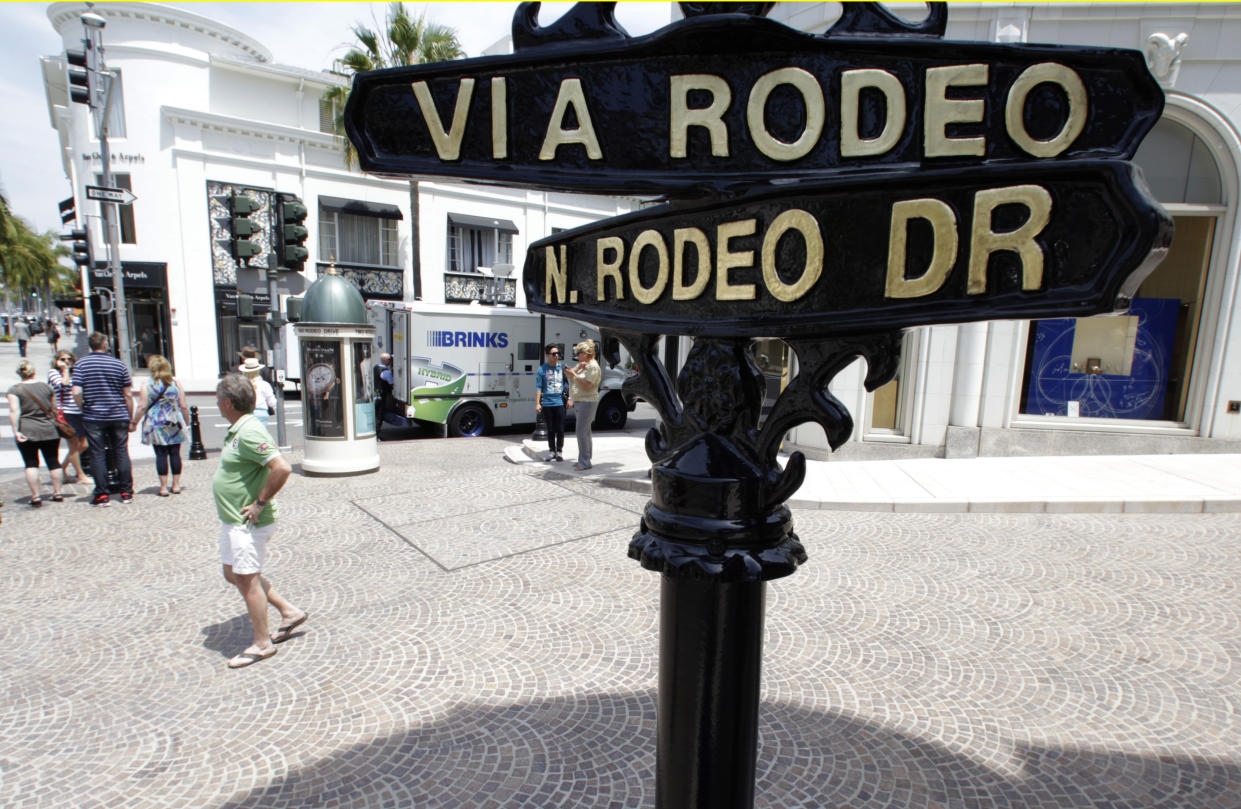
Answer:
x=251 y=366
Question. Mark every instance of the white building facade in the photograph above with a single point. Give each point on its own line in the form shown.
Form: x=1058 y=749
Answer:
x=1165 y=378
x=201 y=112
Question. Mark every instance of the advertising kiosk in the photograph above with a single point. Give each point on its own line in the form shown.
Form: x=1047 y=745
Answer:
x=338 y=397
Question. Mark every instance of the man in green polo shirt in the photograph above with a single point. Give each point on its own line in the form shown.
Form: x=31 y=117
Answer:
x=251 y=472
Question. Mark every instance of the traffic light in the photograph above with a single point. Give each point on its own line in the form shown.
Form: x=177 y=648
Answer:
x=291 y=233
x=81 y=74
x=68 y=211
x=241 y=226
x=81 y=247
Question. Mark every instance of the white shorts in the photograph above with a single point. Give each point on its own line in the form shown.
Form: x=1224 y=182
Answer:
x=243 y=547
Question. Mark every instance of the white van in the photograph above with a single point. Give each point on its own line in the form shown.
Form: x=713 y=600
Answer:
x=473 y=367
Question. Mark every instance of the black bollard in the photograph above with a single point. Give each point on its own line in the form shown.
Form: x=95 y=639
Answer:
x=197 y=451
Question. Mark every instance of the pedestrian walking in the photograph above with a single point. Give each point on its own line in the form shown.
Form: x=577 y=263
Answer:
x=550 y=398
x=60 y=377
x=53 y=335
x=251 y=472
x=33 y=420
x=21 y=333
x=164 y=419
x=101 y=386
x=383 y=388
x=264 y=396
x=583 y=399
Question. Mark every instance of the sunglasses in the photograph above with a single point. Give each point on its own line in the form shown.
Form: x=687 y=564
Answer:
x=553 y=353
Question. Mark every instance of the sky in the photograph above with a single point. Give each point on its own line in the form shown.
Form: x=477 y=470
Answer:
x=304 y=34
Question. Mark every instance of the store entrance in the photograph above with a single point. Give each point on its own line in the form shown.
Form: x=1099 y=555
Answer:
x=148 y=330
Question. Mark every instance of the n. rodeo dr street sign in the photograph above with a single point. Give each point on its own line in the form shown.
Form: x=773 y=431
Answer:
x=843 y=256
x=722 y=102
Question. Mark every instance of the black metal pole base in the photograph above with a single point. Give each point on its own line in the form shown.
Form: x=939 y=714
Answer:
x=710 y=660
x=197 y=451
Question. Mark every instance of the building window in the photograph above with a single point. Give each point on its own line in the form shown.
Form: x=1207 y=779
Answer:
x=327 y=116
x=126 y=212
x=1139 y=366
x=353 y=239
x=476 y=243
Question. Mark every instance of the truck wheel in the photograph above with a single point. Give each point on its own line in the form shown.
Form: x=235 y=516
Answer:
x=468 y=421
x=611 y=414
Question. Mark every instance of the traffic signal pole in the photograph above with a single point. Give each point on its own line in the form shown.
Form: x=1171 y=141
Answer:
x=275 y=319
x=99 y=99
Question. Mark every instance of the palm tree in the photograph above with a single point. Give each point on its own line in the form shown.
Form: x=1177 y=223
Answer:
x=30 y=261
x=404 y=41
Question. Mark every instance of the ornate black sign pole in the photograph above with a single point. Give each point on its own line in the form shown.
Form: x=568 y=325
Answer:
x=827 y=190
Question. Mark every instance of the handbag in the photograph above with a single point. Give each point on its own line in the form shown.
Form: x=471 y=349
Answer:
x=56 y=418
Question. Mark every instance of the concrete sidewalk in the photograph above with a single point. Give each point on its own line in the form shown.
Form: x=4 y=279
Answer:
x=1063 y=484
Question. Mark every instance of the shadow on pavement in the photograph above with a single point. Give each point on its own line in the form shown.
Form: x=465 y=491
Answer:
x=228 y=637
x=597 y=751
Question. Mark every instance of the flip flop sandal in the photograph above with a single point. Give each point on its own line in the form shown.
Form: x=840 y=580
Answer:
x=285 y=632
x=35 y=502
x=175 y=491
x=162 y=494
x=250 y=658
x=58 y=498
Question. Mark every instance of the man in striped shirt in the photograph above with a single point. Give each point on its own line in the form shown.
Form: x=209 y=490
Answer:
x=101 y=386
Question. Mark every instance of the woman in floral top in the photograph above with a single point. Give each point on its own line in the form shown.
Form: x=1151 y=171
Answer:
x=164 y=419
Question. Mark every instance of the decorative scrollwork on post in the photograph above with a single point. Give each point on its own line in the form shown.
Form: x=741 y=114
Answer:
x=717 y=508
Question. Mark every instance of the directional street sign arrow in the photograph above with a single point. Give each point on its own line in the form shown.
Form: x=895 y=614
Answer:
x=102 y=193
x=855 y=254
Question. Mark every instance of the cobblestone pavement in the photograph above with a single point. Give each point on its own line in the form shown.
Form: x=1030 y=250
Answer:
x=479 y=640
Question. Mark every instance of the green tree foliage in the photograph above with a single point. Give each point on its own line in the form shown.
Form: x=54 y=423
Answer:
x=31 y=261
x=404 y=40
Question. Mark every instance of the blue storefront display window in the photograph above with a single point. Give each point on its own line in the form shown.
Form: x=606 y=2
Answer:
x=1052 y=382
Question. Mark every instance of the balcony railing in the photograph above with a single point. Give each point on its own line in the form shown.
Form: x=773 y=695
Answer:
x=464 y=287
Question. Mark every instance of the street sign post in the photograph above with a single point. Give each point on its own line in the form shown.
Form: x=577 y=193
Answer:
x=99 y=193
x=829 y=190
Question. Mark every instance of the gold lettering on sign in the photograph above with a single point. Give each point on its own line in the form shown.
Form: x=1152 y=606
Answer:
x=682 y=116
x=570 y=95
x=447 y=141
x=812 y=96
x=499 y=118
x=609 y=269
x=941 y=111
x=556 y=278
x=944 y=247
x=1014 y=119
x=852 y=82
x=648 y=238
x=984 y=241
x=726 y=259
x=808 y=227
x=680 y=238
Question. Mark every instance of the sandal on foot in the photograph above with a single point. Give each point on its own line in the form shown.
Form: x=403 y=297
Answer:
x=249 y=658
x=285 y=632
x=35 y=502
x=58 y=498
x=176 y=490
x=162 y=493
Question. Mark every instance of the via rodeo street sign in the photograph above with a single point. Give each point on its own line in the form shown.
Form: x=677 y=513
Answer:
x=829 y=190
